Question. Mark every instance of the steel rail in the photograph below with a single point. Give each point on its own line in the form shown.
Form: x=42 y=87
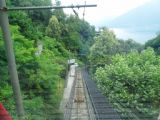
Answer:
x=88 y=100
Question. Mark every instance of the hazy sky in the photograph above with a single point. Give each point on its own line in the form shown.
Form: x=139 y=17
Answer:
x=106 y=9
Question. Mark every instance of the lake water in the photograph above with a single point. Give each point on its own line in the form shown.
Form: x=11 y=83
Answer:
x=140 y=36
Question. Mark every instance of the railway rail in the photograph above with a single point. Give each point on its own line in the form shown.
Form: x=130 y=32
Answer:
x=79 y=106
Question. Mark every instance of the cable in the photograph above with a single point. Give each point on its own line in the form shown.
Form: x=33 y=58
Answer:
x=84 y=10
x=75 y=12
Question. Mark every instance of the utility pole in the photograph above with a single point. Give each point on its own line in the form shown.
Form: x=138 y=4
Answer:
x=11 y=60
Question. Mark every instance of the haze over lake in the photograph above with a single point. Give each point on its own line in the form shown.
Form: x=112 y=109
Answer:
x=140 y=24
x=139 y=36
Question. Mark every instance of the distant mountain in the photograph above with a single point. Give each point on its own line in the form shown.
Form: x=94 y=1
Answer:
x=143 y=18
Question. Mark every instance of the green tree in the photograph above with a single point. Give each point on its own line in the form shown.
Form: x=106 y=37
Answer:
x=105 y=43
x=41 y=75
x=53 y=30
x=133 y=80
x=26 y=26
x=104 y=47
x=126 y=46
x=154 y=43
x=33 y=21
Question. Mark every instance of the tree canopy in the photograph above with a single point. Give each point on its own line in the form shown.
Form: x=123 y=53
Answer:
x=43 y=41
x=154 y=43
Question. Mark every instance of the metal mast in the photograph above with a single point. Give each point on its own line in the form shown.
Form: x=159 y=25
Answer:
x=11 y=60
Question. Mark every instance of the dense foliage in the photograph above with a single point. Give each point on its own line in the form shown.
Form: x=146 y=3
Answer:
x=40 y=74
x=132 y=79
x=126 y=74
x=154 y=43
x=43 y=42
x=106 y=44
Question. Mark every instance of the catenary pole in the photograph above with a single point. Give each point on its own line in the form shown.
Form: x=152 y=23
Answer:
x=11 y=60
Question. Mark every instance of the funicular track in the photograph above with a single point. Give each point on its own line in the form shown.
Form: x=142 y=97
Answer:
x=79 y=106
